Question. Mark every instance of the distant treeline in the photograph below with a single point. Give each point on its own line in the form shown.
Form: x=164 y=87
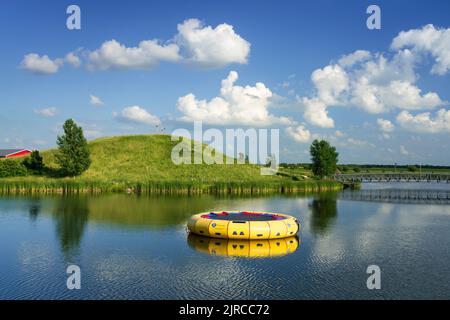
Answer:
x=424 y=166
x=366 y=166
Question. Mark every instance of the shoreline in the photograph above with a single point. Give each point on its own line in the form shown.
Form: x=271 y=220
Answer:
x=66 y=186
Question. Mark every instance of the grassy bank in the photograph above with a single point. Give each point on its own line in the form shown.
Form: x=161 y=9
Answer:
x=142 y=164
x=28 y=185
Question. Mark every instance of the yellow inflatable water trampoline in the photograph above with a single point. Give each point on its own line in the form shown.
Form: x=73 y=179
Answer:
x=244 y=225
x=243 y=248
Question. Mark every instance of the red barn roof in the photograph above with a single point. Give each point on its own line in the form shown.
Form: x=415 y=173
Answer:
x=11 y=153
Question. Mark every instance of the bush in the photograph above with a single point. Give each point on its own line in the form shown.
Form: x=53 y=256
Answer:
x=11 y=168
x=34 y=163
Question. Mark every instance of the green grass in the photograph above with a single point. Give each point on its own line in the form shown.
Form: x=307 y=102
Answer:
x=299 y=173
x=143 y=164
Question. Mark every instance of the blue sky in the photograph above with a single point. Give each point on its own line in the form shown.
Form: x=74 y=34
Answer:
x=370 y=109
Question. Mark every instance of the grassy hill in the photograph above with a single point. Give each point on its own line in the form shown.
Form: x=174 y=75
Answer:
x=148 y=157
x=143 y=163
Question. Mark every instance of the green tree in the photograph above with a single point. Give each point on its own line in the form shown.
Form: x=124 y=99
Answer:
x=324 y=158
x=34 y=162
x=73 y=153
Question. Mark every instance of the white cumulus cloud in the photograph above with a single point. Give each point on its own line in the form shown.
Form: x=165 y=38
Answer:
x=236 y=105
x=136 y=114
x=194 y=43
x=381 y=85
x=72 y=59
x=299 y=133
x=385 y=125
x=46 y=112
x=404 y=95
x=95 y=101
x=316 y=113
x=425 y=122
x=40 y=64
x=211 y=47
x=355 y=57
x=114 y=55
x=330 y=82
x=37 y=64
x=372 y=82
x=430 y=40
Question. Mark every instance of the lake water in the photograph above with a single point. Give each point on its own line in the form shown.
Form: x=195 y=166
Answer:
x=131 y=247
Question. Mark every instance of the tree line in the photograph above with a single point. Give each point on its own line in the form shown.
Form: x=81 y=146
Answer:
x=73 y=156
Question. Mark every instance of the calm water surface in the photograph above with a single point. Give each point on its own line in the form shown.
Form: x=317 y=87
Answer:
x=131 y=247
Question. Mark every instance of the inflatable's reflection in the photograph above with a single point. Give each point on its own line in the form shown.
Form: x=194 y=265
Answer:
x=243 y=248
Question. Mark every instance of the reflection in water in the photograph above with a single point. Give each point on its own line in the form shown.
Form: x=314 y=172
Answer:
x=71 y=215
x=243 y=248
x=323 y=212
x=136 y=248
x=144 y=212
x=34 y=211
x=399 y=195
